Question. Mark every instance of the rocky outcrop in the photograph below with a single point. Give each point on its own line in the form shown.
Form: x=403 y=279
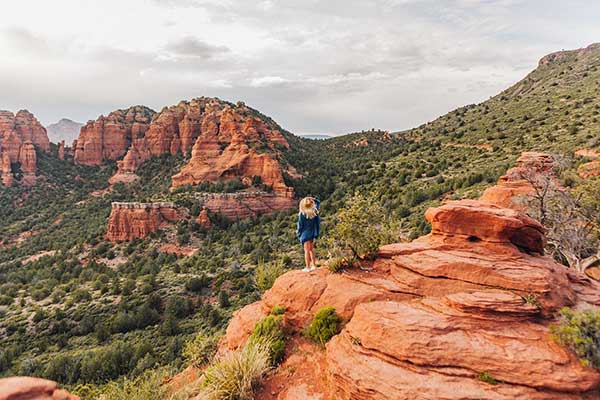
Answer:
x=461 y=313
x=204 y=220
x=61 y=150
x=565 y=54
x=28 y=160
x=20 y=134
x=27 y=388
x=516 y=182
x=226 y=141
x=243 y=205
x=589 y=170
x=130 y=221
x=109 y=138
x=7 y=175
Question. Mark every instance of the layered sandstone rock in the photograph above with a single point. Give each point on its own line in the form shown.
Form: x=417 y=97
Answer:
x=130 y=221
x=109 y=138
x=27 y=388
x=437 y=317
x=516 y=182
x=226 y=141
x=243 y=205
x=28 y=160
x=7 y=175
x=20 y=134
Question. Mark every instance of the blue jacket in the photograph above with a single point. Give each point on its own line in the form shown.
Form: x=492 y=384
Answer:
x=308 y=229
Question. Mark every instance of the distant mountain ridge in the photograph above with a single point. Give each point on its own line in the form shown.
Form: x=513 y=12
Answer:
x=316 y=136
x=65 y=129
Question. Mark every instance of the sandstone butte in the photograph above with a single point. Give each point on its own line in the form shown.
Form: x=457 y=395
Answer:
x=474 y=296
x=130 y=221
x=26 y=388
x=20 y=133
x=226 y=141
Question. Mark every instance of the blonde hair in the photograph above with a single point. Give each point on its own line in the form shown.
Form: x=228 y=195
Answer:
x=308 y=207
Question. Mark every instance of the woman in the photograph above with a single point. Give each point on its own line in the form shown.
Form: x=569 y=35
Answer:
x=309 y=224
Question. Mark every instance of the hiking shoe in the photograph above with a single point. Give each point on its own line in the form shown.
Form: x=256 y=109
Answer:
x=306 y=270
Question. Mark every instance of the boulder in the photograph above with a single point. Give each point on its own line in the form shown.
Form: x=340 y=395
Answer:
x=28 y=388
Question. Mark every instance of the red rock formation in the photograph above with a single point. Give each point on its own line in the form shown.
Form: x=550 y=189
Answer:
x=27 y=388
x=589 y=170
x=109 y=138
x=203 y=219
x=18 y=135
x=130 y=221
x=513 y=184
x=61 y=150
x=7 y=176
x=28 y=160
x=226 y=141
x=473 y=296
x=244 y=205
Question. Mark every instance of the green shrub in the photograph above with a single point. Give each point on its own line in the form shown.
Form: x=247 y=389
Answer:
x=487 y=378
x=580 y=332
x=267 y=273
x=197 y=283
x=338 y=264
x=270 y=330
x=324 y=326
x=200 y=350
x=234 y=376
x=148 y=386
x=278 y=310
x=361 y=227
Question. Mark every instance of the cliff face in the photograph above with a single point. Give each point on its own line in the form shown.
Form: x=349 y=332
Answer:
x=247 y=204
x=226 y=141
x=19 y=135
x=109 y=138
x=130 y=221
x=474 y=296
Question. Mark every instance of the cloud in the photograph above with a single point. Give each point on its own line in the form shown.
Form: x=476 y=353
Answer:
x=316 y=66
x=190 y=46
x=264 y=81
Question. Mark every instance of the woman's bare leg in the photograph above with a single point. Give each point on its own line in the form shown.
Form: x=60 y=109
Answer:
x=313 y=258
x=307 y=246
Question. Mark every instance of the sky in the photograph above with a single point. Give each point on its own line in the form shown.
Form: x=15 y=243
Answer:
x=320 y=67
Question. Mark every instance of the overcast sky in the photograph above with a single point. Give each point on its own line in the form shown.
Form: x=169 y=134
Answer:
x=314 y=66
